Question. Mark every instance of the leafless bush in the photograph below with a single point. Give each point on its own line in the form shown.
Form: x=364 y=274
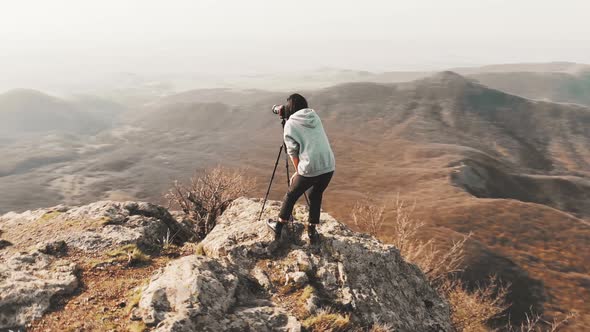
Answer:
x=368 y=216
x=535 y=323
x=472 y=309
x=435 y=262
x=207 y=196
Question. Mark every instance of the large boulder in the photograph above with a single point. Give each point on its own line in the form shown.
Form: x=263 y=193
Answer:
x=197 y=293
x=28 y=283
x=247 y=281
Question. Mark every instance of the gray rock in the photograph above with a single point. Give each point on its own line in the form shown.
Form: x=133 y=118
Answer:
x=198 y=293
x=298 y=278
x=28 y=282
x=356 y=272
x=262 y=278
x=4 y=243
x=53 y=248
x=96 y=226
x=239 y=285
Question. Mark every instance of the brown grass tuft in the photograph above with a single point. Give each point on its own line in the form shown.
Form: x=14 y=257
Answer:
x=327 y=321
x=131 y=254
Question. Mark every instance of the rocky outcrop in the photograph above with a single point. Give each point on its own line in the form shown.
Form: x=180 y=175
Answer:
x=93 y=227
x=28 y=282
x=34 y=267
x=239 y=279
x=247 y=282
x=197 y=293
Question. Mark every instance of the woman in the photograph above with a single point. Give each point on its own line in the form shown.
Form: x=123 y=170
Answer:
x=311 y=154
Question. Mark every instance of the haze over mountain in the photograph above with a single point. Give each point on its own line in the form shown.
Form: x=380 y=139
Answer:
x=28 y=111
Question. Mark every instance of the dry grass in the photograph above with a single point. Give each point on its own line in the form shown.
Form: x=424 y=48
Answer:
x=436 y=263
x=137 y=327
x=367 y=215
x=381 y=328
x=471 y=310
x=535 y=323
x=327 y=321
x=104 y=300
x=130 y=254
x=208 y=195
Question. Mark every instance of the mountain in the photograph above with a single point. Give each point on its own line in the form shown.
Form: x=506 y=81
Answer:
x=554 y=86
x=25 y=111
x=455 y=147
x=541 y=67
x=512 y=170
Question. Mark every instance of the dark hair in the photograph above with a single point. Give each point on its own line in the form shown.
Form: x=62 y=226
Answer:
x=297 y=102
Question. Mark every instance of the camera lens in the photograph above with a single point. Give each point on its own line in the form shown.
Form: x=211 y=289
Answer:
x=276 y=109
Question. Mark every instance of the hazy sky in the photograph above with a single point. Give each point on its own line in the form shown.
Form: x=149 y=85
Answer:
x=45 y=40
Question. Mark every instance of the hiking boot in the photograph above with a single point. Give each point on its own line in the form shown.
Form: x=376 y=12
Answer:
x=276 y=227
x=312 y=233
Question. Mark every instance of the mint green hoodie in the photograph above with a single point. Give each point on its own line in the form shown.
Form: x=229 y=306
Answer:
x=305 y=138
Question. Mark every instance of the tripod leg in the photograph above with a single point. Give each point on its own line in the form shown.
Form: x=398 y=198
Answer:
x=270 y=183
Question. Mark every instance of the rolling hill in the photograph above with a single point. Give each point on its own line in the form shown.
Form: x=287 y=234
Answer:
x=513 y=171
x=24 y=111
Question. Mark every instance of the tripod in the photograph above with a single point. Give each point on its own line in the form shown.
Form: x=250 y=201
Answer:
x=283 y=147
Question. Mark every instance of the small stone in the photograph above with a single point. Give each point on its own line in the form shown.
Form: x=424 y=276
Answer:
x=4 y=244
x=311 y=305
x=134 y=316
x=53 y=248
x=298 y=278
x=261 y=277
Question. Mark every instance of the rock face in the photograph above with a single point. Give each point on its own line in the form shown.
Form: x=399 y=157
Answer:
x=28 y=282
x=247 y=282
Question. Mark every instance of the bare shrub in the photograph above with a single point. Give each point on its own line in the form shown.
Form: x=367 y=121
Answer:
x=472 y=309
x=535 y=323
x=437 y=263
x=367 y=216
x=207 y=196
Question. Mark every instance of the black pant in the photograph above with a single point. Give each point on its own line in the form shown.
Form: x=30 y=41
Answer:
x=300 y=184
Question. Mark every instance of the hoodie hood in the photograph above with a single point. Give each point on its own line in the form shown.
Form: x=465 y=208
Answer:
x=306 y=117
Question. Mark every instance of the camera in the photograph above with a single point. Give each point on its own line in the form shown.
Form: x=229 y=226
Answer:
x=281 y=110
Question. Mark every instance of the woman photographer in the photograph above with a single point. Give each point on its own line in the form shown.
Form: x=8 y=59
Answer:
x=308 y=146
